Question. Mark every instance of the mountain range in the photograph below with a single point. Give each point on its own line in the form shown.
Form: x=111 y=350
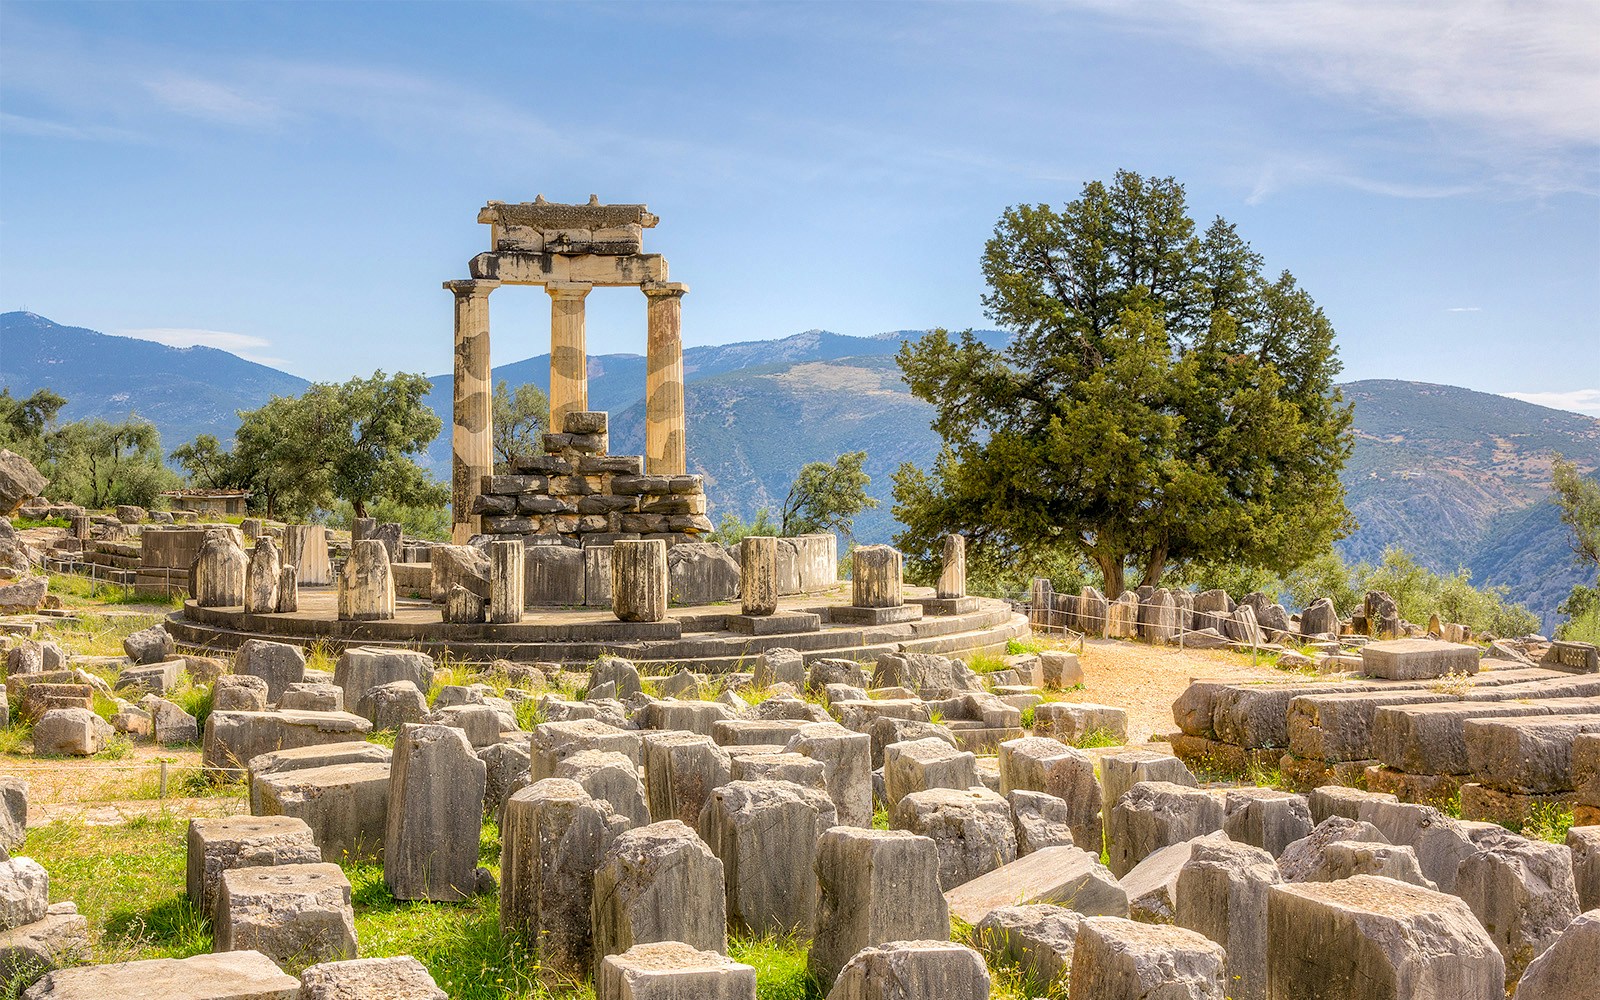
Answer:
x=1458 y=478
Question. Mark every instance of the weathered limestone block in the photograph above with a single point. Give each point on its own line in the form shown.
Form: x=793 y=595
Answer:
x=875 y=887
x=288 y=590
x=312 y=697
x=1117 y=959
x=1039 y=820
x=639 y=580
x=222 y=844
x=553 y=841
x=1074 y=722
x=972 y=828
x=170 y=725
x=1037 y=937
x=875 y=577
x=392 y=705
x=278 y=663
x=400 y=978
x=1039 y=764
x=359 y=669
x=75 y=732
x=13 y=812
x=552 y=742
x=772 y=764
x=610 y=777
x=670 y=970
x=366 y=585
x=615 y=670
x=458 y=566
x=758 y=575
x=698 y=572
x=59 y=938
x=1417 y=659
x=261 y=578
x=1583 y=841
x=1569 y=968
x=1372 y=938
x=1122 y=616
x=233 y=739
x=1122 y=770
x=1319 y=618
x=1531 y=755
x=239 y=693
x=296 y=915
x=506 y=580
x=1159 y=618
x=1066 y=876
x=305 y=758
x=926 y=674
x=149 y=645
x=24 y=892
x=1268 y=818
x=346 y=805
x=919 y=765
x=901 y=969
x=1441 y=843
x=1061 y=670
x=240 y=975
x=953 y=570
x=780 y=666
x=219 y=573
x=1152 y=885
x=1522 y=891
x=19 y=482
x=686 y=716
x=435 y=815
x=846 y=759
x=659 y=883
x=1345 y=858
x=1222 y=893
x=766 y=833
x=1157 y=814
x=1337 y=800
x=1301 y=860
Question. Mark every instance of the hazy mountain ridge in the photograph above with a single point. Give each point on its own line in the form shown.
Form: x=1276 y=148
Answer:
x=1457 y=477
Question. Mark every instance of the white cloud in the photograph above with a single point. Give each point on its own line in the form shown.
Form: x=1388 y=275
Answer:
x=23 y=125
x=1584 y=401
x=243 y=344
x=1463 y=309
x=212 y=101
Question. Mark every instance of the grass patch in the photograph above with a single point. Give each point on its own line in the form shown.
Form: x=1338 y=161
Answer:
x=1098 y=738
x=1029 y=716
x=24 y=523
x=78 y=590
x=986 y=663
x=97 y=635
x=780 y=965
x=1015 y=647
x=880 y=818
x=1548 y=821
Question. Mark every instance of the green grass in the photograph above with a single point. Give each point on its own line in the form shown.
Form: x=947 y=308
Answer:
x=880 y=818
x=1015 y=647
x=80 y=588
x=1548 y=821
x=986 y=663
x=91 y=634
x=1098 y=738
x=780 y=965
x=1029 y=716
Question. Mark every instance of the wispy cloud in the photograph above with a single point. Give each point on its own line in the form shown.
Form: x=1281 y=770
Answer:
x=245 y=345
x=24 y=125
x=1584 y=401
x=211 y=101
x=1463 y=309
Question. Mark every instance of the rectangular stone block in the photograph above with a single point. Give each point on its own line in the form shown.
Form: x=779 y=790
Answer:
x=1340 y=726
x=296 y=915
x=556 y=576
x=233 y=739
x=1526 y=754
x=670 y=970
x=238 y=975
x=216 y=845
x=1417 y=659
x=1066 y=876
x=346 y=806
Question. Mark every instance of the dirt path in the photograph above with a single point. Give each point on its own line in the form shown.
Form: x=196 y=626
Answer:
x=1144 y=680
x=112 y=791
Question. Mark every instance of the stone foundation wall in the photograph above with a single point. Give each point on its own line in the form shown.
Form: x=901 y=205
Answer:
x=580 y=494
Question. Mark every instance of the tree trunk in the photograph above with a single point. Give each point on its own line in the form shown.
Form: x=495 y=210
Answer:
x=1112 y=575
x=1153 y=567
x=359 y=507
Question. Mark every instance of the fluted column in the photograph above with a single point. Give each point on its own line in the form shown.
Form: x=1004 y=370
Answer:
x=569 y=358
x=472 y=439
x=665 y=448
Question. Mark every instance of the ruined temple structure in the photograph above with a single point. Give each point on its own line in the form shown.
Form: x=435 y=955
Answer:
x=570 y=250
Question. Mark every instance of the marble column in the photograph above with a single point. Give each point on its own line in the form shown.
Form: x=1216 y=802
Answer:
x=953 y=575
x=569 y=359
x=472 y=440
x=665 y=448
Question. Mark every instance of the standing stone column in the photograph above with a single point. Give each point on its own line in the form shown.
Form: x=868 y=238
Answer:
x=569 y=358
x=261 y=578
x=219 y=573
x=472 y=440
x=306 y=549
x=435 y=814
x=875 y=577
x=758 y=575
x=288 y=590
x=665 y=445
x=366 y=587
x=505 y=582
x=639 y=579
x=953 y=575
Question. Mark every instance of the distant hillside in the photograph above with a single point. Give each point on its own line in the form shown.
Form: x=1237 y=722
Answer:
x=184 y=391
x=1458 y=478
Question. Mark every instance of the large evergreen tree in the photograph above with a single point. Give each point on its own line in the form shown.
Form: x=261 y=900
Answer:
x=1162 y=400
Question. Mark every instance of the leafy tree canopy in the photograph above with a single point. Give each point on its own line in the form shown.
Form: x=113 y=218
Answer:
x=1163 y=400
x=827 y=496
x=520 y=418
x=1579 y=499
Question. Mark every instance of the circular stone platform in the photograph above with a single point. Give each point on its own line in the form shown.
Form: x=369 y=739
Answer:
x=698 y=637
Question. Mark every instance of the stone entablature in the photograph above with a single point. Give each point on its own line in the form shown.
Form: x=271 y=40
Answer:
x=583 y=495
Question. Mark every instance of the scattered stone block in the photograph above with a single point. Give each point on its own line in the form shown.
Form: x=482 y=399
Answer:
x=149 y=645
x=1075 y=722
x=1061 y=670
x=1301 y=859
x=1523 y=893
x=681 y=770
x=1222 y=893
x=616 y=671
x=552 y=742
x=392 y=705
x=277 y=663
x=1267 y=818
x=875 y=886
x=24 y=892
x=1569 y=968
x=239 y=693
x=75 y=732
x=1441 y=843
x=1117 y=959
x=1417 y=659
x=1584 y=842
x=1372 y=938
x=919 y=765
x=1152 y=885
x=1037 y=937
x=359 y=669
x=1038 y=764
x=846 y=759
x=659 y=883
x=435 y=815
x=1526 y=754
x=971 y=827
x=346 y=806
x=296 y=915
x=13 y=812
x=399 y=978
x=1346 y=858
x=1066 y=876
x=1122 y=770
x=233 y=739
x=611 y=777
x=766 y=833
x=1157 y=814
x=901 y=969
x=554 y=839
x=1337 y=800
x=366 y=583
x=780 y=666
x=59 y=938
x=506 y=770
x=312 y=697
x=239 y=975
x=1040 y=820
x=670 y=970
x=218 y=845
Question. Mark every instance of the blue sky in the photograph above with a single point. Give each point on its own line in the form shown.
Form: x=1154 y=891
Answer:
x=293 y=181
